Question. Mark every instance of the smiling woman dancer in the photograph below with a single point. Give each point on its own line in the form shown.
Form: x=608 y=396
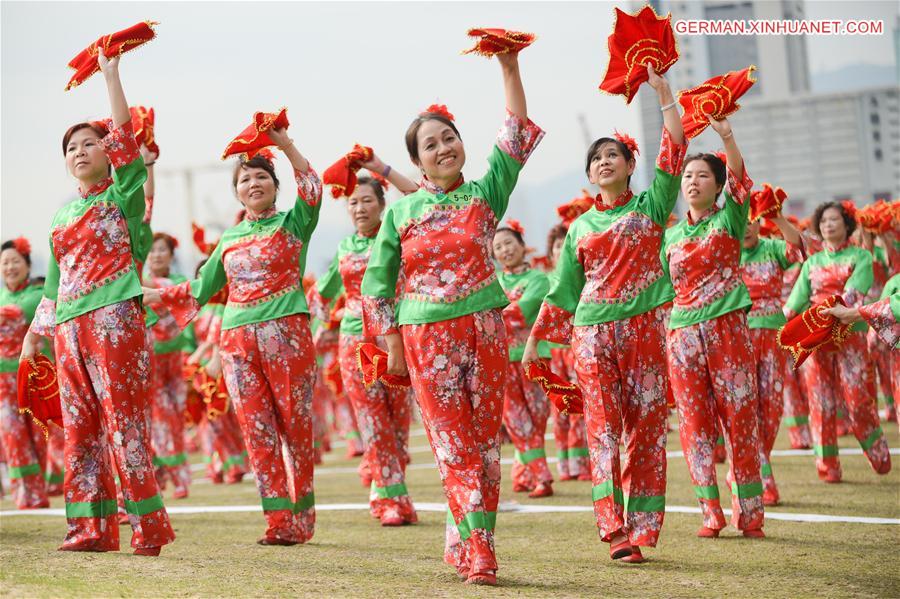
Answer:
x=446 y=324
x=382 y=413
x=265 y=344
x=92 y=309
x=606 y=301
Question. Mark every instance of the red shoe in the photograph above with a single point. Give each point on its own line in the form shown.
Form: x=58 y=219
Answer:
x=234 y=478
x=770 y=497
x=217 y=478
x=832 y=478
x=708 y=533
x=180 y=494
x=267 y=540
x=148 y=551
x=585 y=476
x=621 y=548
x=483 y=578
x=519 y=487
x=566 y=477
x=542 y=490
x=636 y=556
x=756 y=533
x=391 y=517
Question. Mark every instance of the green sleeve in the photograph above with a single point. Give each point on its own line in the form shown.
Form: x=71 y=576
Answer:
x=569 y=279
x=736 y=215
x=383 y=268
x=862 y=277
x=663 y=193
x=500 y=180
x=778 y=252
x=189 y=338
x=144 y=242
x=211 y=277
x=330 y=285
x=798 y=301
x=304 y=216
x=51 y=282
x=533 y=296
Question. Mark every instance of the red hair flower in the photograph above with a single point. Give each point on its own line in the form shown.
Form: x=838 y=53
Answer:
x=627 y=141
x=849 y=207
x=22 y=246
x=440 y=109
x=514 y=225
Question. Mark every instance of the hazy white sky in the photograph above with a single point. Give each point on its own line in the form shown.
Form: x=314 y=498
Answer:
x=347 y=72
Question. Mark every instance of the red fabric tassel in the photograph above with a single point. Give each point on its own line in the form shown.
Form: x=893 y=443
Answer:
x=342 y=174
x=38 y=391
x=332 y=377
x=876 y=218
x=637 y=40
x=716 y=97
x=564 y=395
x=570 y=211
x=114 y=44
x=254 y=137
x=372 y=361
x=142 y=121
x=492 y=41
x=813 y=330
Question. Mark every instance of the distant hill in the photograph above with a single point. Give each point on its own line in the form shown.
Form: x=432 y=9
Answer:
x=855 y=76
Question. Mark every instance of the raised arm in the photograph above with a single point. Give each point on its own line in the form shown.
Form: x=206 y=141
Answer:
x=286 y=145
x=512 y=85
x=398 y=180
x=732 y=153
x=117 y=103
x=668 y=105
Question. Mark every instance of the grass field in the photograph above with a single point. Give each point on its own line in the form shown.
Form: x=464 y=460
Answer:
x=541 y=555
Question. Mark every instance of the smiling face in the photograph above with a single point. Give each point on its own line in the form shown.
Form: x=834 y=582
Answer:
x=85 y=159
x=160 y=258
x=609 y=167
x=441 y=151
x=13 y=267
x=508 y=250
x=364 y=209
x=255 y=189
x=832 y=226
x=699 y=186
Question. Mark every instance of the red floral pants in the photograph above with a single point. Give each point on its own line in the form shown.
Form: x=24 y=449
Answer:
x=621 y=369
x=771 y=364
x=382 y=415
x=708 y=369
x=167 y=421
x=569 y=430
x=25 y=448
x=525 y=413
x=103 y=366
x=796 y=406
x=458 y=372
x=844 y=374
x=270 y=369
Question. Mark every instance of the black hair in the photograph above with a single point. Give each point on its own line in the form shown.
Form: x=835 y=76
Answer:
x=412 y=133
x=849 y=221
x=11 y=245
x=255 y=162
x=716 y=165
x=376 y=186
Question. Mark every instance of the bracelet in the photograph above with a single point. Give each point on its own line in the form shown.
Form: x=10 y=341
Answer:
x=149 y=163
x=386 y=171
x=668 y=106
x=289 y=143
x=730 y=134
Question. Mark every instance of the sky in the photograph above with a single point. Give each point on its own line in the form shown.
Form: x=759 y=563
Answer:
x=347 y=72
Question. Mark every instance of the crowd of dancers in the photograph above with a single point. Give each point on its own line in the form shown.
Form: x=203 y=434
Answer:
x=647 y=314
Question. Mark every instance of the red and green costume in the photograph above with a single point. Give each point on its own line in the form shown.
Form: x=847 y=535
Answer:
x=437 y=242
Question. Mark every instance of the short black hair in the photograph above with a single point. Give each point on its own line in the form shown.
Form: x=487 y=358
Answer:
x=716 y=165
x=412 y=132
x=849 y=221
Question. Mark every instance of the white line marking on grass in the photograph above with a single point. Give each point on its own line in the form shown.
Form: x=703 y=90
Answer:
x=510 y=507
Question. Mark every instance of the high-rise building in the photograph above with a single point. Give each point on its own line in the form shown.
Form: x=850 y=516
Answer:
x=816 y=146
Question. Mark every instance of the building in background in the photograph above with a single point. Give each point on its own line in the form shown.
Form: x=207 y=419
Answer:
x=816 y=146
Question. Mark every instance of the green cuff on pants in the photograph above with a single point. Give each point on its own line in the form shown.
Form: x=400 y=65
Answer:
x=55 y=479
x=747 y=491
x=92 y=509
x=562 y=454
x=765 y=470
x=869 y=441
x=706 y=492
x=23 y=471
x=825 y=451
x=604 y=490
x=526 y=457
x=579 y=452
x=271 y=504
x=390 y=491
x=474 y=520
x=170 y=460
x=796 y=420
x=145 y=506
x=232 y=461
x=720 y=440
x=649 y=503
